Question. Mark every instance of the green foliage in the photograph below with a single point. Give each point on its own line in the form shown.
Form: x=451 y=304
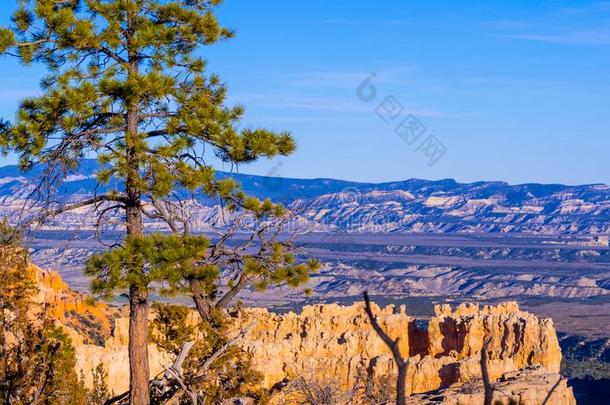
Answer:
x=37 y=359
x=126 y=84
x=279 y=266
x=583 y=359
x=229 y=375
x=110 y=61
x=99 y=392
x=169 y=261
x=170 y=327
x=590 y=367
x=7 y=38
x=9 y=236
x=16 y=288
x=165 y=259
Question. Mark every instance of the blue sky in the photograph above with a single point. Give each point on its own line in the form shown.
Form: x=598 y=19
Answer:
x=514 y=90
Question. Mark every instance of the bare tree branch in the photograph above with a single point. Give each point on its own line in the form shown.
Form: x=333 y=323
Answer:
x=550 y=394
x=401 y=362
x=165 y=382
x=489 y=389
x=208 y=362
x=66 y=208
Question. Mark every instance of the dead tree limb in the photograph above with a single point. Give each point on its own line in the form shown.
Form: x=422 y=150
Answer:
x=117 y=399
x=166 y=383
x=401 y=362
x=489 y=390
x=208 y=362
x=550 y=394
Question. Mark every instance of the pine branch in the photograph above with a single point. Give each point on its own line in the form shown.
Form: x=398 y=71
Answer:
x=30 y=43
x=226 y=299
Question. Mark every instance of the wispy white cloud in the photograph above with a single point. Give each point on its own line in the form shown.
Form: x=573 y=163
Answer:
x=331 y=104
x=350 y=79
x=509 y=25
x=335 y=21
x=566 y=38
x=328 y=104
x=255 y=120
x=595 y=7
x=354 y=21
x=581 y=24
x=326 y=79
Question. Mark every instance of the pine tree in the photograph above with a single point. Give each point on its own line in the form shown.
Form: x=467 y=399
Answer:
x=37 y=359
x=127 y=84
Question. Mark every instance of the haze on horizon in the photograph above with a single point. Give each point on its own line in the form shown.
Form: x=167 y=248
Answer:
x=517 y=94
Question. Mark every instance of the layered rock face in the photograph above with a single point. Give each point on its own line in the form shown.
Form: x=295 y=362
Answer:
x=333 y=343
x=99 y=332
x=114 y=357
x=58 y=300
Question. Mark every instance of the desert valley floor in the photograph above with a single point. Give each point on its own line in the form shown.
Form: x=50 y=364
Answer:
x=566 y=278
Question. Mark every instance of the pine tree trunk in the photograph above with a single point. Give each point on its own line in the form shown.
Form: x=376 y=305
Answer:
x=201 y=300
x=138 y=347
x=226 y=299
x=139 y=371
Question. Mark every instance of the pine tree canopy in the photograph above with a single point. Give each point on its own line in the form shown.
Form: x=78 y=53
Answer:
x=110 y=62
x=127 y=83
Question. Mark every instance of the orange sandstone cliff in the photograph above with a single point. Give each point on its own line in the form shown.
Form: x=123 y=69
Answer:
x=86 y=320
x=336 y=343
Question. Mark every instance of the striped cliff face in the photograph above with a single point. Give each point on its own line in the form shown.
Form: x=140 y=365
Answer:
x=85 y=319
x=327 y=205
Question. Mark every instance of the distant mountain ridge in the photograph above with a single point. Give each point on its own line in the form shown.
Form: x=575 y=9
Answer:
x=401 y=206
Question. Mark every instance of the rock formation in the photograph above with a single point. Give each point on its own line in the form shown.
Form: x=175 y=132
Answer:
x=64 y=302
x=55 y=295
x=528 y=386
x=336 y=343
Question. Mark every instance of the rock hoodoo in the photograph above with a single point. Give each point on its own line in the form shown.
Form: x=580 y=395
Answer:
x=336 y=343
